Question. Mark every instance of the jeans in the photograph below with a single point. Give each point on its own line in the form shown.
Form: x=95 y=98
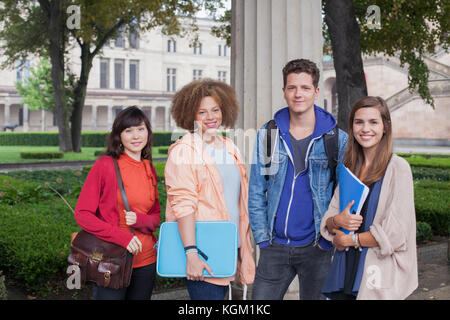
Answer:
x=201 y=290
x=279 y=264
x=140 y=288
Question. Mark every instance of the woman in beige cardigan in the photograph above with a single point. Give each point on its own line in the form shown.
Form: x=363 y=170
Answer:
x=379 y=261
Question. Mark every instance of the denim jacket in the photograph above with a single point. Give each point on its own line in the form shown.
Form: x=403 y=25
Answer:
x=265 y=195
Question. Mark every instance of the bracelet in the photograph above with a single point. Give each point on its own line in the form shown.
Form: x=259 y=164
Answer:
x=356 y=241
x=190 y=249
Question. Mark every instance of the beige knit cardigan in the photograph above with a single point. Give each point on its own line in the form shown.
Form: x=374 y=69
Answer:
x=390 y=270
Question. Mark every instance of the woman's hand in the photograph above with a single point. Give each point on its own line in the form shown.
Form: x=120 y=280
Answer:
x=348 y=221
x=130 y=217
x=342 y=240
x=134 y=246
x=195 y=266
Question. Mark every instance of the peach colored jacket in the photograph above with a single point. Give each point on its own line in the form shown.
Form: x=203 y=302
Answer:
x=194 y=186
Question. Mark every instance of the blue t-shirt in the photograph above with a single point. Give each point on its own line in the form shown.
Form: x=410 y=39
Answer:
x=231 y=180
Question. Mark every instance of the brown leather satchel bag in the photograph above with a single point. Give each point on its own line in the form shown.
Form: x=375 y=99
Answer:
x=105 y=263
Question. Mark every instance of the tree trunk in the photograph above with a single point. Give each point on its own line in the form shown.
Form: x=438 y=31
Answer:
x=346 y=44
x=80 y=97
x=57 y=46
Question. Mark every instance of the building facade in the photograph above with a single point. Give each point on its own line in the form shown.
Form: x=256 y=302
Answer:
x=414 y=122
x=146 y=70
x=143 y=70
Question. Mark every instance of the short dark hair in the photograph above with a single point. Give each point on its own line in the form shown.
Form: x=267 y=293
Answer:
x=299 y=66
x=128 y=117
x=186 y=102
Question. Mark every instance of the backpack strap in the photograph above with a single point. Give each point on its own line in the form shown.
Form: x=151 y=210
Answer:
x=331 y=144
x=271 y=125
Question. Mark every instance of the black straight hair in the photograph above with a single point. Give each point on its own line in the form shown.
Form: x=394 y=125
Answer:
x=128 y=117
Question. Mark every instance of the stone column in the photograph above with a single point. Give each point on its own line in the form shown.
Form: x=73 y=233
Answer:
x=110 y=117
x=43 y=120
x=166 y=119
x=153 y=117
x=94 y=117
x=26 y=120
x=7 y=114
x=266 y=34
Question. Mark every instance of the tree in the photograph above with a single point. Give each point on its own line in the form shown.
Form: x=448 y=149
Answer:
x=410 y=30
x=346 y=45
x=37 y=90
x=54 y=26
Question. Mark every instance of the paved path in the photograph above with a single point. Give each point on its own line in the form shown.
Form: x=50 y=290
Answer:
x=433 y=267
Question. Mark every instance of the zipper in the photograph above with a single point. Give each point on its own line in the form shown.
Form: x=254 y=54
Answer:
x=295 y=178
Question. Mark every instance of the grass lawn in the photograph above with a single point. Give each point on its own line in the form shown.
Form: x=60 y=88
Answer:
x=12 y=153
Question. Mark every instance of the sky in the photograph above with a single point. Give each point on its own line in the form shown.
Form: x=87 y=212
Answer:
x=204 y=14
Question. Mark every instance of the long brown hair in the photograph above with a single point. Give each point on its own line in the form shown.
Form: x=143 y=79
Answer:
x=129 y=117
x=354 y=155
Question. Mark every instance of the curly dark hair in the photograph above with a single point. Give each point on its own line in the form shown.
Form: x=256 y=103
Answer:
x=187 y=100
x=128 y=117
x=299 y=66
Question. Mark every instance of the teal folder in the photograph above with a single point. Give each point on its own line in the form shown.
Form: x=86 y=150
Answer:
x=216 y=239
x=351 y=188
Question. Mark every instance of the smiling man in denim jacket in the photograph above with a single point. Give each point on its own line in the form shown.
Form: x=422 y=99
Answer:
x=286 y=209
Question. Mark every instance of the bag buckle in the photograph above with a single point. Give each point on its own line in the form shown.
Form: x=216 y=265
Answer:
x=97 y=256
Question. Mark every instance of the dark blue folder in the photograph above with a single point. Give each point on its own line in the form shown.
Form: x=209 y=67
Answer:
x=351 y=188
x=216 y=239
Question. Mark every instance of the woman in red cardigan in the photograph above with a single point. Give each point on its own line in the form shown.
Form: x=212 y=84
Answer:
x=100 y=209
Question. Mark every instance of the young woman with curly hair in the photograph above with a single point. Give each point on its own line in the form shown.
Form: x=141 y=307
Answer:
x=206 y=180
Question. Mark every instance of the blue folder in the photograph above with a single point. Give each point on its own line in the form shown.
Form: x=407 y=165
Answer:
x=216 y=239
x=351 y=188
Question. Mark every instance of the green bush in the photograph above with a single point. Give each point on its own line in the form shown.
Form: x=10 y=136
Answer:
x=28 y=138
x=432 y=162
x=41 y=155
x=35 y=242
x=88 y=138
x=3 y=293
x=163 y=150
x=423 y=231
x=432 y=203
x=439 y=174
x=13 y=192
x=36 y=225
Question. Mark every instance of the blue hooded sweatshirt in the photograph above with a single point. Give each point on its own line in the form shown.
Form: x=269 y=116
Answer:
x=294 y=221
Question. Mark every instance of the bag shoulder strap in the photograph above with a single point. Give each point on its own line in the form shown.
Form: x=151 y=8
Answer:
x=271 y=125
x=122 y=189
x=331 y=144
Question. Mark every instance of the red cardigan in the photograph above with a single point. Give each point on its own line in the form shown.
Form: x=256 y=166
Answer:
x=96 y=210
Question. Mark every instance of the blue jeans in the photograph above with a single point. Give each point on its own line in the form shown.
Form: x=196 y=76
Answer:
x=201 y=290
x=279 y=264
x=140 y=288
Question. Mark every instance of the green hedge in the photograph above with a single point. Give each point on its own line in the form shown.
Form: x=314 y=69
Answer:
x=41 y=155
x=36 y=226
x=430 y=162
x=88 y=138
x=432 y=203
